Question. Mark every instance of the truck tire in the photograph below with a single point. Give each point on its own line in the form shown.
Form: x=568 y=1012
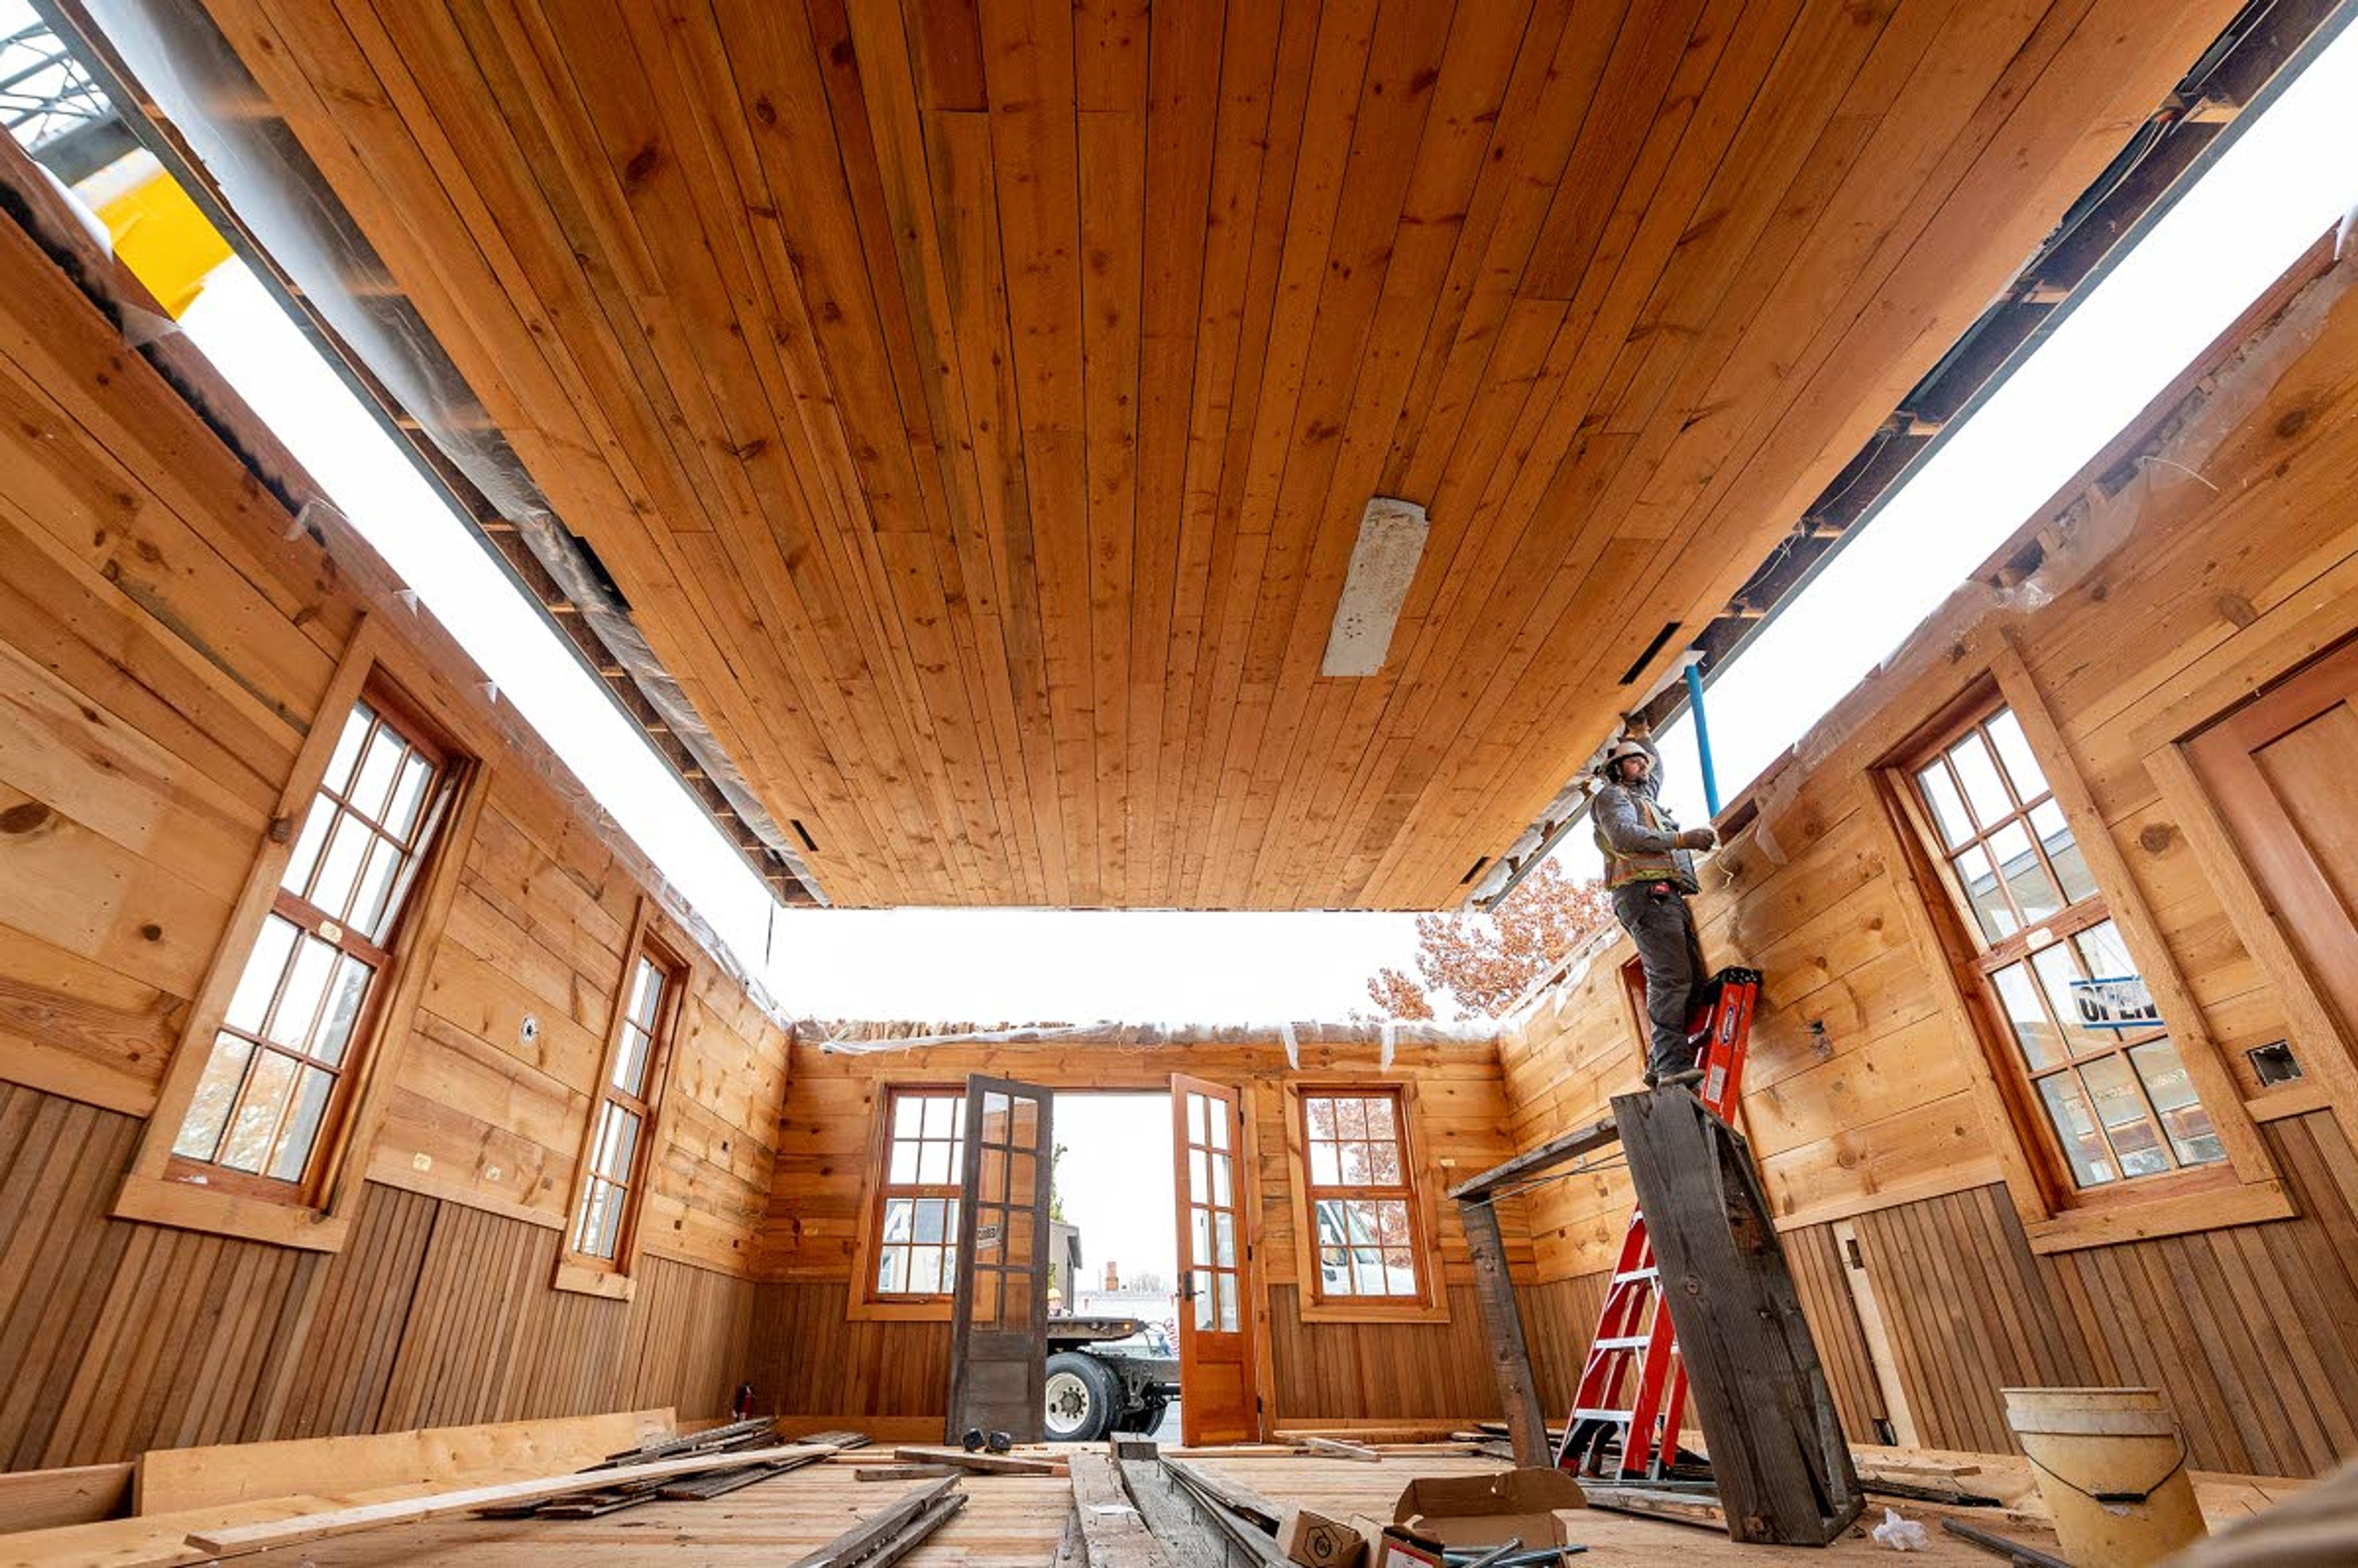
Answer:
x=1084 y=1397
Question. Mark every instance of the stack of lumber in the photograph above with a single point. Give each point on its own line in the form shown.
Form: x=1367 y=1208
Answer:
x=735 y=1438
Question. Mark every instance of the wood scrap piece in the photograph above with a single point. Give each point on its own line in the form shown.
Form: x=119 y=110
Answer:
x=2017 y=1555
x=720 y=1483
x=1113 y=1532
x=1233 y=1496
x=885 y=1536
x=982 y=1464
x=1340 y=1449
x=1678 y=1507
x=320 y=1524
x=81 y=1494
x=901 y=1472
x=692 y=1442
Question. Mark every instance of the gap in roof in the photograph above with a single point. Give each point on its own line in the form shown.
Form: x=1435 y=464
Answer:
x=2265 y=199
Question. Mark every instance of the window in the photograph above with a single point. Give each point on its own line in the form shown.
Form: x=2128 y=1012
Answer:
x=2082 y=1024
x=917 y=1216
x=277 y=1083
x=1362 y=1211
x=613 y=1182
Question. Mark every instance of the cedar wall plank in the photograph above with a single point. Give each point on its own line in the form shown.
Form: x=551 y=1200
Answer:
x=121 y=1337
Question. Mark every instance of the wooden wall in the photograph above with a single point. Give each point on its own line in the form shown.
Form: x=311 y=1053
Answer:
x=117 y=1337
x=2224 y=563
x=167 y=631
x=822 y=1362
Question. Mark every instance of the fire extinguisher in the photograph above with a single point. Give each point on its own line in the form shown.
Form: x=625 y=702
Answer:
x=744 y=1407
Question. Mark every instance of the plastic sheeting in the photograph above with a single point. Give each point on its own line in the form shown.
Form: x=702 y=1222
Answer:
x=183 y=64
x=850 y=1039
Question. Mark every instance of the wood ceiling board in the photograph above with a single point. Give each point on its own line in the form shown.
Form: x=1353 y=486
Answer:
x=977 y=402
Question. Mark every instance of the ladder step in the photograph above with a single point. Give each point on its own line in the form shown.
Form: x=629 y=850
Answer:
x=1626 y=1342
x=1648 y=1274
x=1618 y=1418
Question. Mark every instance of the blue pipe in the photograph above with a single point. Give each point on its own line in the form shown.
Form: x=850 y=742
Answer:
x=1703 y=736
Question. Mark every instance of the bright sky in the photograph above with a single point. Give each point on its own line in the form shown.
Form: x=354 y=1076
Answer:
x=2250 y=216
x=1115 y=1179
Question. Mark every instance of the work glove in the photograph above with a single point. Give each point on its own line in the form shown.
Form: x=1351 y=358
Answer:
x=1697 y=839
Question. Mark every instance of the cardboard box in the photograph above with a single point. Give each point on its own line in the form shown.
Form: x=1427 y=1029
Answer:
x=1488 y=1510
x=1315 y=1540
x=1392 y=1546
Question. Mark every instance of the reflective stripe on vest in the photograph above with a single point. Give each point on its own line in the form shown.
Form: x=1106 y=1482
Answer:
x=1621 y=870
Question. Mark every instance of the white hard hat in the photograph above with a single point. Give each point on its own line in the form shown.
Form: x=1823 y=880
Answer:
x=1626 y=747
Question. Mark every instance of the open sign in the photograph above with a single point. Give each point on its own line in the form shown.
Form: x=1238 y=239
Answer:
x=2117 y=1002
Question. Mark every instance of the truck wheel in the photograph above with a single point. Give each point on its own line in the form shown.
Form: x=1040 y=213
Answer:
x=1083 y=1397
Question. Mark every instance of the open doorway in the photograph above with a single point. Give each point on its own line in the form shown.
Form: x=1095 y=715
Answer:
x=1113 y=1255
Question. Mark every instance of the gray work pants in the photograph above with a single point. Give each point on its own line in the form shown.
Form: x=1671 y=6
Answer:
x=1664 y=931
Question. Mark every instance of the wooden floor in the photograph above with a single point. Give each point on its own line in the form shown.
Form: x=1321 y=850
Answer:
x=1019 y=1519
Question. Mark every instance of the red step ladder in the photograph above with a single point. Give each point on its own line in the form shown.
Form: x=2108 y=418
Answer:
x=1633 y=1388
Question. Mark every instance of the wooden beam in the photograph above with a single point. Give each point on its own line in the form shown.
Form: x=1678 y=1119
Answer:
x=1113 y=1531
x=1502 y=1329
x=437 y=1504
x=1784 y=1467
x=1546 y=1157
x=173 y=1480
x=983 y=1463
x=44 y=1499
x=885 y=1536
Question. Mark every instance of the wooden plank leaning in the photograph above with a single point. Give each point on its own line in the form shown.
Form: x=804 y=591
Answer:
x=1784 y=1467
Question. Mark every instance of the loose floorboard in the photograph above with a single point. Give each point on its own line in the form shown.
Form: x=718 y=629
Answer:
x=1018 y=1520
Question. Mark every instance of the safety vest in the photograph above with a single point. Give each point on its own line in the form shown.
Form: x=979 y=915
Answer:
x=1669 y=866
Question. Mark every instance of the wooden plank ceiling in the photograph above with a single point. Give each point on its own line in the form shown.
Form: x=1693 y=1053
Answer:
x=977 y=399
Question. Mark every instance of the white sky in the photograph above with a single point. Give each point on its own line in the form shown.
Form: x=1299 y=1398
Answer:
x=1115 y=1179
x=2251 y=215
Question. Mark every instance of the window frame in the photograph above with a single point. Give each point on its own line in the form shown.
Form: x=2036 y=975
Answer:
x=2055 y=1214
x=654 y=946
x=2019 y=949
x=394 y=712
x=1431 y=1301
x=865 y=1301
x=319 y=1217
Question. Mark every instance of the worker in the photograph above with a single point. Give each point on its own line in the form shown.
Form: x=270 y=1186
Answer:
x=1649 y=872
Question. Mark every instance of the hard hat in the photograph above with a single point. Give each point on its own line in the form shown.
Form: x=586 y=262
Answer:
x=1626 y=747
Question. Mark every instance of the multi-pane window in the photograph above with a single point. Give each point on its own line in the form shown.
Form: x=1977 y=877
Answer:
x=273 y=1086
x=2083 y=1026
x=626 y=1096
x=1361 y=1206
x=917 y=1217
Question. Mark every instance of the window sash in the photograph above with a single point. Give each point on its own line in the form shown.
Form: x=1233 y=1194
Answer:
x=605 y=1214
x=907 y=1258
x=1351 y=1255
x=272 y=1098
x=2095 y=1154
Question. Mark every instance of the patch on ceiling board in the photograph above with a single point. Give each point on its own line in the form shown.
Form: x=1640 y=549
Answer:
x=1383 y=562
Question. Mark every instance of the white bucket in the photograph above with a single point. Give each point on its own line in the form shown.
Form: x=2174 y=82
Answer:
x=2113 y=1469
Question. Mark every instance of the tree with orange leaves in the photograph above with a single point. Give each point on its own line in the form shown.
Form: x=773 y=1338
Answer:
x=1483 y=963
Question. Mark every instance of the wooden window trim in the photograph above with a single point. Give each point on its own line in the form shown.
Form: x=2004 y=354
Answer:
x=320 y=1219
x=864 y=1303
x=2055 y=1214
x=616 y=1278
x=1430 y=1304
